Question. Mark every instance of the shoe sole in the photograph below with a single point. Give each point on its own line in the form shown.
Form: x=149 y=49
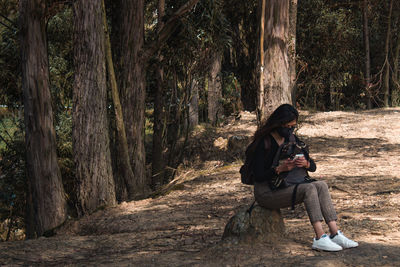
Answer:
x=350 y=247
x=320 y=249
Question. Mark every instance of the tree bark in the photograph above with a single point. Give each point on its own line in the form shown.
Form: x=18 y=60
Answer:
x=194 y=103
x=158 y=163
x=292 y=48
x=132 y=77
x=46 y=203
x=386 y=89
x=215 y=89
x=260 y=95
x=95 y=184
x=395 y=94
x=123 y=153
x=132 y=88
x=275 y=86
x=367 y=54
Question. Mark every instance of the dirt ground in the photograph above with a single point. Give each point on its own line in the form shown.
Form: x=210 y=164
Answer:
x=357 y=154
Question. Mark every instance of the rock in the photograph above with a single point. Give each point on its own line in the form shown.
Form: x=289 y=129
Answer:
x=221 y=143
x=237 y=144
x=259 y=225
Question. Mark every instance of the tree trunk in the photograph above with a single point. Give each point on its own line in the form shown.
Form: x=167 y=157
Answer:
x=367 y=54
x=95 y=184
x=132 y=77
x=260 y=95
x=123 y=153
x=194 y=103
x=292 y=47
x=275 y=76
x=158 y=163
x=333 y=100
x=46 y=203
x=132 y=88
x=395 y=96
x=386 y=88
x=242 y=56
x=215 y=90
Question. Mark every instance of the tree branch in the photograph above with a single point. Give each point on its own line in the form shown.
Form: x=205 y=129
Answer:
x=9 y=21
x=167 y=29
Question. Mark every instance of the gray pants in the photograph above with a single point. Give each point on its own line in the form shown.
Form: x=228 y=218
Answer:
x=315 y=196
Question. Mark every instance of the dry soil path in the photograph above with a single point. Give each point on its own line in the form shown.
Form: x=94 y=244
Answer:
x=357 y=153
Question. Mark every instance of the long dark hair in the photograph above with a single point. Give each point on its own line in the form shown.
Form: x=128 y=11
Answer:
x=283 y=114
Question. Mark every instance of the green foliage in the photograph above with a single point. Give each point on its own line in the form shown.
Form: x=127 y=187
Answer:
x=331 y=56
x=65 y=155
x=230 y=93
x=329 y=44
x=186 y=56
x=241 y=59
x=10 y=65
x=59 y=31
x=12 y=171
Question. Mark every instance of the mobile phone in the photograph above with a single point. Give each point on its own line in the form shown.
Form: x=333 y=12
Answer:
x=298 y=156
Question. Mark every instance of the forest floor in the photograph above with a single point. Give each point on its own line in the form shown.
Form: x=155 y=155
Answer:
x=357 y=154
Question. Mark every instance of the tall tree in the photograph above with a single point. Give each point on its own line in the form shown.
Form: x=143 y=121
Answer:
x=386 y=89
x=214 y=88
x=395 y=95
x=132 y=78
x=132 y=87
x=194 y=103
x=46 y=203
x=367 y=75
x=158 y=163
x=123 y=151
x=95 y=185
x=292 y=47
x=243 y=55
x=274 y=64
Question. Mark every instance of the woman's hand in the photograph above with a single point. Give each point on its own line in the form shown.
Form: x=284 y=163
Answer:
x=285 y=166
x=302 y=162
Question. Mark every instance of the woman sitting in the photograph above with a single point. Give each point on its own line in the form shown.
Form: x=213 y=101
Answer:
x=296 y=187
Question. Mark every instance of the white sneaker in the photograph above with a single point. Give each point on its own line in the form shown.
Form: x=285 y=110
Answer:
x=326 y=244
x=343 y=241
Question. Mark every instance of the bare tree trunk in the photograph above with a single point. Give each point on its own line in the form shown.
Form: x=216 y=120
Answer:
x=194 y=103
x=95 y=184
x=386 y=91
x=332 y=95
x=292 y=47
x=46 y=203
x=395 y=95
x=260 y=95
x=215 y=89
x=158 y=163
x=173 y=127
x=367 y=54
x=132 y=88
x=275 y=89
x=132 y=77
x=123 y=153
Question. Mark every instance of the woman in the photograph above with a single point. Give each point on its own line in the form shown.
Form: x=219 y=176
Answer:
x=297 y=187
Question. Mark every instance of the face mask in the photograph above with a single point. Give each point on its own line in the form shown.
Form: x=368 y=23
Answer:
x=285 y=132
